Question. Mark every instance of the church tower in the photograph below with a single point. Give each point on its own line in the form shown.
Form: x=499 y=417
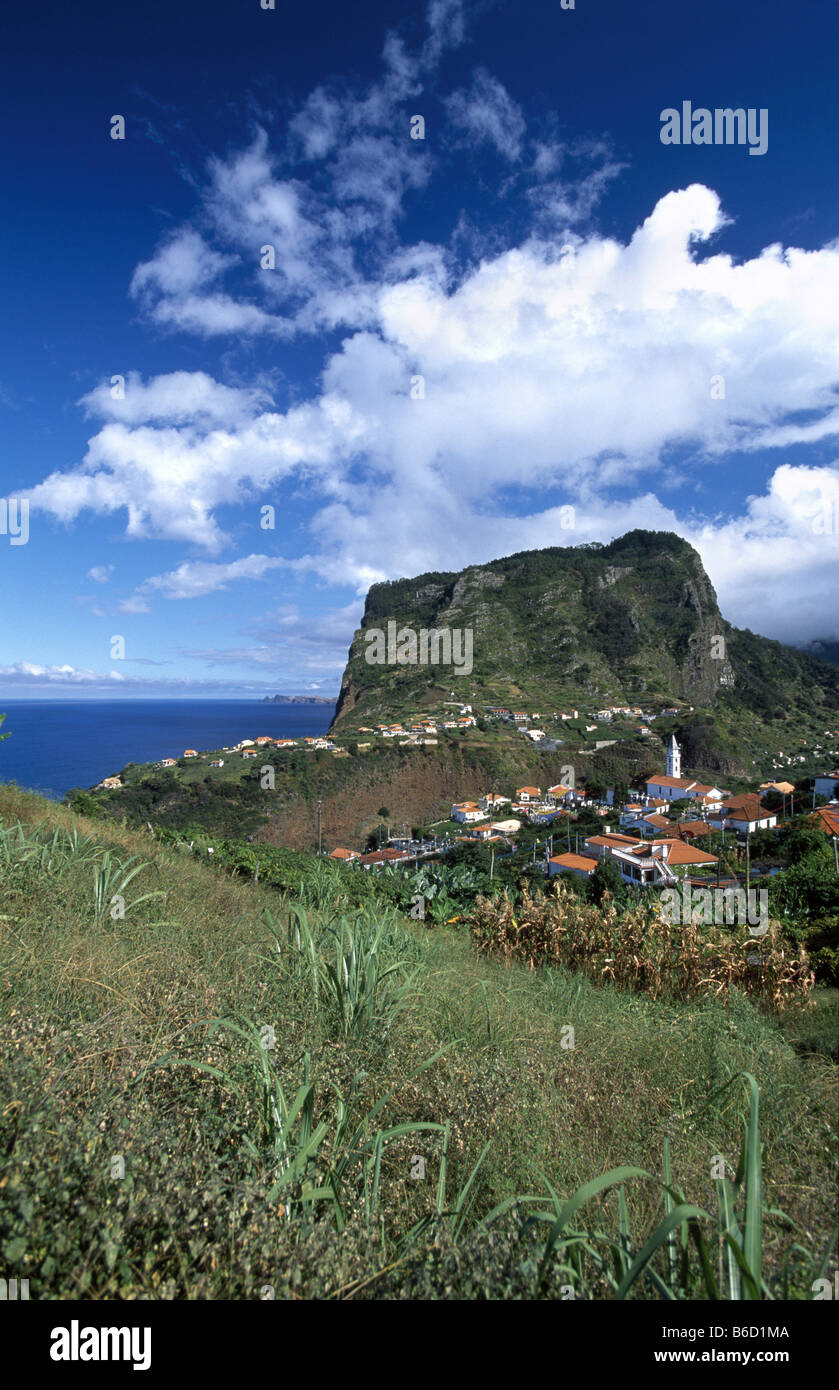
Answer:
x=674 y=759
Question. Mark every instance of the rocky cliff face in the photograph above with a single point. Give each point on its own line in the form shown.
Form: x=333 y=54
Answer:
x=630 y=622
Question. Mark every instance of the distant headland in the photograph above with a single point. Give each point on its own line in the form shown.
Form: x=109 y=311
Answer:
x=299 y=700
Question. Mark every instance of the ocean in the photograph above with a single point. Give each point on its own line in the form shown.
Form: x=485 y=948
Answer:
x=59 y=744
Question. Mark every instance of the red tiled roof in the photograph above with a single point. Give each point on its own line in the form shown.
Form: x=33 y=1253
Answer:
x=829 y=818
x=383 y=856
x=680 y=853
x=689 y=829
x=746 y=807
x=575 y=861
x=612 y=839
x=679 y=783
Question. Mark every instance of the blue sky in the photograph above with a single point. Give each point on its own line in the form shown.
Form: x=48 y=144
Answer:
x=645 y=333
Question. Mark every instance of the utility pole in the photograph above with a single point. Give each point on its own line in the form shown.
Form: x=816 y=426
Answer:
x=320 y=836
x=836 y=852
x=748 y=858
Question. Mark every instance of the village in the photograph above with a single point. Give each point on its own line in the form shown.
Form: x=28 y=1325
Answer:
x=650 y=848
x=655 y=836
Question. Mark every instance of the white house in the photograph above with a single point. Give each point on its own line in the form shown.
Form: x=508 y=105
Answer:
x=649 y=864
x=525 y=794
x=217 y=762
x=466 y=811
x=745 y=814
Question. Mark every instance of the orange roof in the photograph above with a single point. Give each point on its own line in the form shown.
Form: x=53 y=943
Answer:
x=680 y=853
x=575 y=861
x=692 y=828
x=746 y=807
x=612 y=839
x=344 y=854
x=679 y=784
x=531 y=791
x=383 y=856
x=829 y=818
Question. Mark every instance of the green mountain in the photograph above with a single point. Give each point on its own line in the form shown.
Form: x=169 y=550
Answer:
x=635 y=622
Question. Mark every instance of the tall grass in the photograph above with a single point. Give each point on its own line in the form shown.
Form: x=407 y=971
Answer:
x=111 y=877
x=355 y=966
x=411 y=1125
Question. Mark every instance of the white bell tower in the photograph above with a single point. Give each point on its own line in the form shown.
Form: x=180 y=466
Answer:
x=674 y=758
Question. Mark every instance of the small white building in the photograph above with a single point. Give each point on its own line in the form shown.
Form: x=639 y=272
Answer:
x=527 y=794
x=744 y=814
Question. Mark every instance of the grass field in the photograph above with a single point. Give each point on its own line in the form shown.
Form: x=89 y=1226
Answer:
x=377 y=1112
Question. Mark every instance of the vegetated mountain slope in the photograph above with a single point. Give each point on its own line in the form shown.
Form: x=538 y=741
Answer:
x=634 y=622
